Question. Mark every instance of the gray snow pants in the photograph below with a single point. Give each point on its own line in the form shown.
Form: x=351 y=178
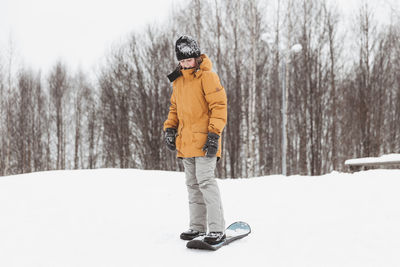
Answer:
x=204 y=196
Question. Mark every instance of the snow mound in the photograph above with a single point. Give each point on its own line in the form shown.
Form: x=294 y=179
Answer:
x=384 y=159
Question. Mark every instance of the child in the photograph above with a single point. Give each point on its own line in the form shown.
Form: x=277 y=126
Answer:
x=197 y=116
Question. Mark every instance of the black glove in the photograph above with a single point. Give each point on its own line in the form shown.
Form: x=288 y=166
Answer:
x=170 y=134
x=211 y=146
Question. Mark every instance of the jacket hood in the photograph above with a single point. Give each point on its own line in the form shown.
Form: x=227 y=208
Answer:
x=206 y=65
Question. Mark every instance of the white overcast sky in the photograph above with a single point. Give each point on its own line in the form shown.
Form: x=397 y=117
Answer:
x=80 y=32
x=76 y=31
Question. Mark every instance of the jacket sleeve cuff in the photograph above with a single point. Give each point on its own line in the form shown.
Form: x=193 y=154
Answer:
x=213 y=135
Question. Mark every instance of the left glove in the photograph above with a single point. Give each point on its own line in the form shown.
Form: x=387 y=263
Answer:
x=170 y=135
x=211 y=146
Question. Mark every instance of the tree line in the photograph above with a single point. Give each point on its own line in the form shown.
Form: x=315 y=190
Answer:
x=343 y=93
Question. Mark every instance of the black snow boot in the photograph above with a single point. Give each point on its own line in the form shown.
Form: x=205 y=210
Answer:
x=191 y=234
x=214 y=238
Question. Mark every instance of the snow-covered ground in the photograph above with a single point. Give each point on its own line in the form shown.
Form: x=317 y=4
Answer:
x=112 y=217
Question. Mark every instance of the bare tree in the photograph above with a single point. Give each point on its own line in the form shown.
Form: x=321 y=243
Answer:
x=2 y=119
x=332 y=19
x=362 y=82
x=116 y=83
x=234 y=84
x=38 y=124
x=252 y=118
x=25 y=119
x=9 y=99
x=58 y=86
x=82 y=103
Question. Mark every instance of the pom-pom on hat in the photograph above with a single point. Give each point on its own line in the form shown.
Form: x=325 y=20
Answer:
x=186 y=47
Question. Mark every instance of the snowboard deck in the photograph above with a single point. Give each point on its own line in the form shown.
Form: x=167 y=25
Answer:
x=235 y=231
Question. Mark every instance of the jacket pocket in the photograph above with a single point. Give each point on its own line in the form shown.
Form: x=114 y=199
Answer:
x=200 y=127
x=199 y=139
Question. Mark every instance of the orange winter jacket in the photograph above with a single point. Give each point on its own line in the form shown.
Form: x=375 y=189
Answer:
x=198 y=106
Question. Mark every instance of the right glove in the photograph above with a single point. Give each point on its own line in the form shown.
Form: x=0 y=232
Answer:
x=170 y=135
x=211 y=146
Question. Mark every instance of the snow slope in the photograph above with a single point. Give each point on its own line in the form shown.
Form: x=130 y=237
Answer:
x=112 y=217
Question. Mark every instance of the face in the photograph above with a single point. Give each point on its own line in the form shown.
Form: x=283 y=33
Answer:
x=187 y=63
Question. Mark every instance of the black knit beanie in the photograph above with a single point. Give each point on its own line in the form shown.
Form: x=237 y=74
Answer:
x=186 y=47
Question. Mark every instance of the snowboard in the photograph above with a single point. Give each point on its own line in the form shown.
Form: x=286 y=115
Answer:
x=235 y=231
